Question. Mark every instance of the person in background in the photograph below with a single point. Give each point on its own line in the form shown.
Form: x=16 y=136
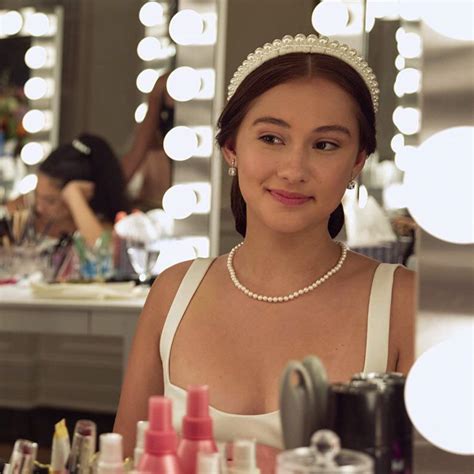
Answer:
x=80 y=188
x=296 y=132
x=146 y=167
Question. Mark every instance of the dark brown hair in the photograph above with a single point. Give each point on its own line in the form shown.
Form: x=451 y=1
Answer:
x=280 y=70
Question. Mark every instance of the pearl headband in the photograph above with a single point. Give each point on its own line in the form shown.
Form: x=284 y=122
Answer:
x=81 y=147
x=307 y=44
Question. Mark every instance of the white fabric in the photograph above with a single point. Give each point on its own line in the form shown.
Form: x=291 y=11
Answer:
x=266 y=428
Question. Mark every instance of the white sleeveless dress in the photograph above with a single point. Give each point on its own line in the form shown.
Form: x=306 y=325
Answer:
x=266 y=428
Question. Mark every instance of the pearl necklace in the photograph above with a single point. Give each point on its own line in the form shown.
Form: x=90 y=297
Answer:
x=291 y=296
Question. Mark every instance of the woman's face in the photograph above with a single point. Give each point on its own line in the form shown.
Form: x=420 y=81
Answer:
x=48 y=200
x=296 y=150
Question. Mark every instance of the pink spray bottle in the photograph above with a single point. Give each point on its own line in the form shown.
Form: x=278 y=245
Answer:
x=160 y=440
x=197 y=429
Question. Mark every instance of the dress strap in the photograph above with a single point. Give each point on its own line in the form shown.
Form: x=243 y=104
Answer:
x=186 y=290
x=378 y=321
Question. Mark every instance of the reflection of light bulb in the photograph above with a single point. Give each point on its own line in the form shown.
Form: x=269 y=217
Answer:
x=37 y=24
x=34 y=121
x=405 y=156
x=186 y=27
x=36 y=88
x=149 y=48
x=408 y=81
x=443 y=412
x=179 y=201
x=32 y=153
x=151 y=14
x=183 y=84
x=451 y=19
x=394 y=196
x=28 y=184
x=439 y=185
x=398 y=141
x=146 y=80
x=407 y=119
x=180 y=143
x=12 y=22
x=400 y=62
x=409 y=45
x=36 y=57
x=330 y=18
x=140 y=112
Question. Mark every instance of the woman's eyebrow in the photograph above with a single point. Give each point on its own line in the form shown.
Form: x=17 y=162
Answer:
x=322 y=128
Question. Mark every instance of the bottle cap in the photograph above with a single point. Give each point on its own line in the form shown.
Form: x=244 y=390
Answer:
x=197 y=424
x=244 y=459
x=160 y=438
x=142 y=426
x=111 y=451
x=208 y=463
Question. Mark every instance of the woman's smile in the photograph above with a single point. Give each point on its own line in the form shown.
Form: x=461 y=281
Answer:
x=288 y=198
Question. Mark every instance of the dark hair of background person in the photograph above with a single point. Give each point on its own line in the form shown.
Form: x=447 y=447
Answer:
x=280 y=70
x=101 y=166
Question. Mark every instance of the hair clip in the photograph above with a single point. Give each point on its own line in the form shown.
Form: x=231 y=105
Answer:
x=81 y=147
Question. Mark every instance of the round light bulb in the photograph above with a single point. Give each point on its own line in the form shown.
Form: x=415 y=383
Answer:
x=36 y=57
x=397 y=142
x=32 y=153
x=183 y=84
x=36 y=88
x=34 y=121
x=405 y=156
x=146 y=80
x=439 y=185
x=442 y=410
x=151 y=14
x=408 y=81
x=12 y=22
x=394 y=196
x=149 y=48
x=410 y=10
x=179 y=201
x=180 y=143
x=173 y=252
x=186 y=27
x=28 y=184
x=330 y=18
x=38 y=24
x=451 y=19
x=140 y=112
x=400 y=62
x=407 y=119
x=409 y=45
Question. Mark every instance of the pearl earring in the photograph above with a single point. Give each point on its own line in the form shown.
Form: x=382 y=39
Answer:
x=232 y=171
x=352 y=184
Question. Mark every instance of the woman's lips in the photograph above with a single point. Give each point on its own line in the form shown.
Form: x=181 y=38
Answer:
x=289 y=199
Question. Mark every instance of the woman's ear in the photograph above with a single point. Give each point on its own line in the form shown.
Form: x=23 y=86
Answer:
x=359 y=163
x=228 y=150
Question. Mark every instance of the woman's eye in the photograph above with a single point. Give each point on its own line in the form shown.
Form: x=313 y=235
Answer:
x=270 y=139
x=326 y=146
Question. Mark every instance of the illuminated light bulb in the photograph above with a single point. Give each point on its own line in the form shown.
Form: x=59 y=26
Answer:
x=34 y=121
x=149 y=48
x=12 y=22
x=28 y=184
x=330 y=18
x=36 y=88
x=410 y=10
x=387 y=10
x=443 y=412
x=180 y=143
x=363 y=196
x=409 y=45
x=140 y=112
x=369 y=22
x=173 y=251
x=146 y=80
x=32 y=153
x=38 y=24
x=400 y=33
x=408 y=81
x=407 y=119
x=451 y=19
x=400 y=62
x=394 y=196
x=184 y=84
x=36 y=57
x=439 y=185
x=397 y=142
x=179 y=201
x=205 y=141
x=186 y=27
x=151 y=14
x=405 y=157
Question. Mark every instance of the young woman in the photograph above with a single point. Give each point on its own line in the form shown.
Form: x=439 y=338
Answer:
x=296 y=132
x=80 y=187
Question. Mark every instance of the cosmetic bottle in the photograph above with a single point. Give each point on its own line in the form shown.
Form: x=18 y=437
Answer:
x=142 y=426
x=111 y=454
x=83 y=447
x=208 y=463
x=245 y=457
x=160 y=440
x=197 y=429
x=23 y=457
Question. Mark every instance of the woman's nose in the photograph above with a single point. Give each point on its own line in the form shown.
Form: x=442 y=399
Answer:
x=293 y=167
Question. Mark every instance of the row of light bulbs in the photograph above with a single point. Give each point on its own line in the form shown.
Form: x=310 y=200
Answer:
x=27 y=22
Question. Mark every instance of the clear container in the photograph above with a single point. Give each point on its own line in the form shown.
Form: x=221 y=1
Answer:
x=323 y=456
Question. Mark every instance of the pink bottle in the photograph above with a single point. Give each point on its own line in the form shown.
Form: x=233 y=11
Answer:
x=160 y=440
x=197 y=429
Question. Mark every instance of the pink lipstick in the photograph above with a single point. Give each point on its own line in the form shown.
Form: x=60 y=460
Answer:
x=288 y=198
